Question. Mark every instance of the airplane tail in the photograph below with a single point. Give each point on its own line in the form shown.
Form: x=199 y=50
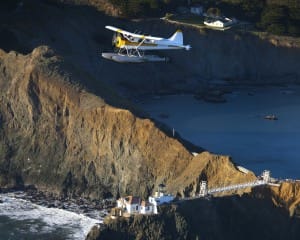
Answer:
x=177 y=37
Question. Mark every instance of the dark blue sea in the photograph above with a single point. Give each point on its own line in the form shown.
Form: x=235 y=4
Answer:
x=238 y=128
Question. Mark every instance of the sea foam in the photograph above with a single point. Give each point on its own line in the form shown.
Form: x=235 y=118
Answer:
x=77 y=224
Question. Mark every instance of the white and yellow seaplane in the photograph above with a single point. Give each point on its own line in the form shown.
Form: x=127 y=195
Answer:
x=131 y=47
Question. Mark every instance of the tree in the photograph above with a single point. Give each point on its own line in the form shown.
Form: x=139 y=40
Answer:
x=293 y=29
x=253 y=8
x=214 y=12
x=274 y=15
x=134 y=8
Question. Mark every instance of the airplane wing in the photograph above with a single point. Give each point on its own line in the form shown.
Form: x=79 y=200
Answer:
x=129 y=34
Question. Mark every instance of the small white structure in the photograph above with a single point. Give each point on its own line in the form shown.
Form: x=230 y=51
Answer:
x=242 y=169
x=134 y=205
x=160 y=198
x=197 y=9
x=266 y=176
x=203 y=189
x=130 y=203
x=147 y=207
x=220 y=23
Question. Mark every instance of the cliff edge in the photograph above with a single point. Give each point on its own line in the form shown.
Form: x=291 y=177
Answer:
x=255 y=215
x=57 y=136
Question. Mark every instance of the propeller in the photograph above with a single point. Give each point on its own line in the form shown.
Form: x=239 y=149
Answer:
x=114 y=40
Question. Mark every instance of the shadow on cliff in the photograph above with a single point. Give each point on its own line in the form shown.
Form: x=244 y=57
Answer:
x=232 y=217
x=77 y=34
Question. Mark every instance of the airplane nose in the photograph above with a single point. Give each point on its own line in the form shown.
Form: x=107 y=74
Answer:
x=114 y=41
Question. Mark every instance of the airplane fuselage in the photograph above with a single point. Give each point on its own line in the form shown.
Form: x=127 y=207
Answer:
x=132 y=46
x=145 y=44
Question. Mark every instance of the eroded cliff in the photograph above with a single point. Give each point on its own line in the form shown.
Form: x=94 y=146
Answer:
x=77 y=33
x=59 y=137
x=286 y=196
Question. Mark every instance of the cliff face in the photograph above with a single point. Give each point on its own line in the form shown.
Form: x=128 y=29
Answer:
x=286 y=196
x=234 y=217
x=244 y=58
x=61 y=138
x=215 y=169
x=77 y=33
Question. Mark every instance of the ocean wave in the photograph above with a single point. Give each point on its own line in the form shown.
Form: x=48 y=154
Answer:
x=77 y=224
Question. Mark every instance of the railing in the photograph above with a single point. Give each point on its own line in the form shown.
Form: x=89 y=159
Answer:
x=236 y=186
x=228 y=188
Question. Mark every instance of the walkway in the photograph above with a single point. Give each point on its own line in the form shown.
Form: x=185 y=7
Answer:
x=236 y=186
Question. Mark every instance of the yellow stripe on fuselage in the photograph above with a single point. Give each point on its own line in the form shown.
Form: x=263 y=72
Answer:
x=121 y=43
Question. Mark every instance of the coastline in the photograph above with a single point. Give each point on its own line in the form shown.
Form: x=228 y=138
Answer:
x=41 y=215
x=79 y=205
x=238 y=127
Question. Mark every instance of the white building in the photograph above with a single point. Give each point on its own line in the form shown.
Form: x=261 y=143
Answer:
x=130 y=203
x=266 y=176
x=197 y=9
x=133 y=205
x=203 y=189
x=147 y=208
x=160 y=198
x=220 y=23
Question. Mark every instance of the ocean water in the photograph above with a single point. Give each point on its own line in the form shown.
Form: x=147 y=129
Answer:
x=238 y=128
x=21 y=219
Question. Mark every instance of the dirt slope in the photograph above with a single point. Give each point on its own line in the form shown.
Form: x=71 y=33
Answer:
x=77 y=33
x=61 y=138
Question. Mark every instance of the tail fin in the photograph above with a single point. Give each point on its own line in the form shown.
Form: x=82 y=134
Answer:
x=177 y=37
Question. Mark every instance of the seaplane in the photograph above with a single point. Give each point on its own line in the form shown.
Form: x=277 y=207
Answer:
x=131 y=47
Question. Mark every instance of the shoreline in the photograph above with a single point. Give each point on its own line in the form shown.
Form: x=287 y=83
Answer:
x=23 y=218
x=225 y=87
x=238 y=126
x=96 y=209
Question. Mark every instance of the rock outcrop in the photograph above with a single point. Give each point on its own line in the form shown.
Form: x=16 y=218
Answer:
x=286 y=196
x=235 y=217
x=77 y=33
x=61 y=138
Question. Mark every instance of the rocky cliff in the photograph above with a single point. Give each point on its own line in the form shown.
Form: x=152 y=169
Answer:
x=61 y=138
x=77 y=33
x=286 y=196
x=251 y=216
x=65 y=128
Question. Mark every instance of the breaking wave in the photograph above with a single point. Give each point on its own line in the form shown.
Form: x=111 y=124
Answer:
x=43 y=220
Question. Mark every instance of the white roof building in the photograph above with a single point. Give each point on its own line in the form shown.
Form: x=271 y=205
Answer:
x=130 y=203
x=220 y=23
x=147 y=208
x=160 y=198
x=134 y=205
